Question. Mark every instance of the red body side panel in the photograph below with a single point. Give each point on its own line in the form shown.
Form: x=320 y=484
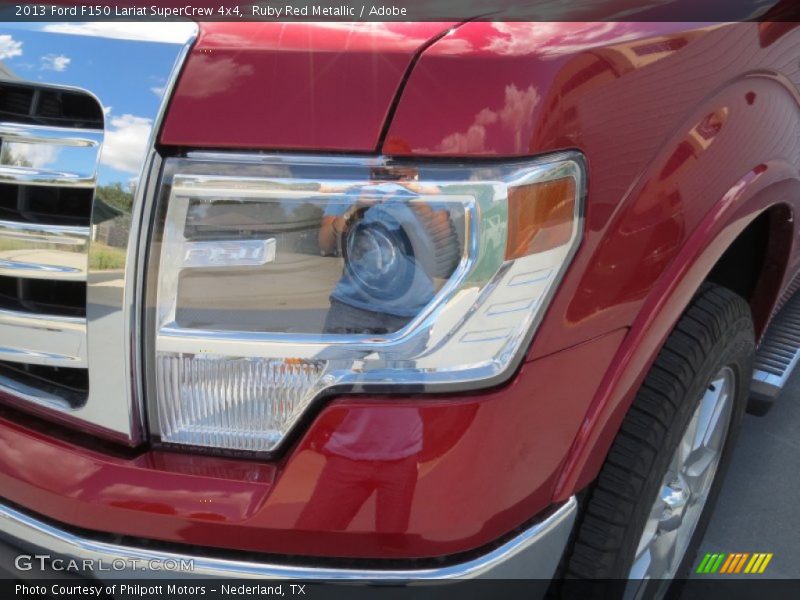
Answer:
x=689 y=132
x=497 y=455
x=652 y=108
x=292 y=85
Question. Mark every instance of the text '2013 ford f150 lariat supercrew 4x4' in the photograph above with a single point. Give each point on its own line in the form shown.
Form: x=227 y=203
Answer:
x=390 y=300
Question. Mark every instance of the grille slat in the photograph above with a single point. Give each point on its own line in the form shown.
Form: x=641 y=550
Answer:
x=48 y=155
x=47 y=340
x=43 y=251
x=64 y=388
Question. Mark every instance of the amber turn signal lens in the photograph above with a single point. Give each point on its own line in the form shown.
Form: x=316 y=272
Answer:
x=540 y=216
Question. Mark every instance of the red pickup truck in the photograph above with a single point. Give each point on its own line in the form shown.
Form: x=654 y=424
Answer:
x=398 y=301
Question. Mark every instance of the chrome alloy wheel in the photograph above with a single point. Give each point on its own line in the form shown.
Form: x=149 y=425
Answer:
x=684 y=489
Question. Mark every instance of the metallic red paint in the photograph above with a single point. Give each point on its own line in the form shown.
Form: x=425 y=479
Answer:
x=323 y=86
x=498 y=455
x=689 y=131
x=661 y=112
x=766 y=186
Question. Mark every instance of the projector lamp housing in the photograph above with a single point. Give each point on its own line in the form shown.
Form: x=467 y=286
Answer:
x=276 y=280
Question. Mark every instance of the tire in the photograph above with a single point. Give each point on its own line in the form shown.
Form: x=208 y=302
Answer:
x=713 y=335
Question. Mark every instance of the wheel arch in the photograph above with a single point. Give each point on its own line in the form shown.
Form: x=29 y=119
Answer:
x=755 y=264
x=760 y=201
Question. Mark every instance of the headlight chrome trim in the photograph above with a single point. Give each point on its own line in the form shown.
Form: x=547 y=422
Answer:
x=509 y=173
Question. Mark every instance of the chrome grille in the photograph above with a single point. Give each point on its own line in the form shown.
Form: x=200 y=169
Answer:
x=77 y=156
x=44 y=243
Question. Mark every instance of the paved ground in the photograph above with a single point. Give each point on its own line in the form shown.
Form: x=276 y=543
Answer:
x=759 y=508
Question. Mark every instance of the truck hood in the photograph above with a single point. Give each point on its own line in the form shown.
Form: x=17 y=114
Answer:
x=298 y=86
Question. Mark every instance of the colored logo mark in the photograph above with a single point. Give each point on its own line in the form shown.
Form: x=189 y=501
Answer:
x=737 y=562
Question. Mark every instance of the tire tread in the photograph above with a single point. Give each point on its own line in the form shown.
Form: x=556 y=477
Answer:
x=609 y=505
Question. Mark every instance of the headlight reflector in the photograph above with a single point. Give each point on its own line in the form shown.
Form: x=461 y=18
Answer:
x=277 y=279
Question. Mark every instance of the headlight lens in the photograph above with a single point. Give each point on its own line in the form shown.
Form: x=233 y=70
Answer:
x=277 y=279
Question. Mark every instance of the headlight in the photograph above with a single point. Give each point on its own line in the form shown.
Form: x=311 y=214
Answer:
x=275 y=280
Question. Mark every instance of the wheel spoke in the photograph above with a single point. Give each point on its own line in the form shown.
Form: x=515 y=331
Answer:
x=714 y=407
x=687 y=444
x=641 y=565
x=703 y=463
x=650 y=529
x=664 y=553
x=714 y=416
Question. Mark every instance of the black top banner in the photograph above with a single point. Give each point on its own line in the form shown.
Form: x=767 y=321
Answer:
x=698 y=11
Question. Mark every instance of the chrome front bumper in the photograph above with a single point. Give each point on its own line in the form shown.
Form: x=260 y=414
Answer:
x=533 y=554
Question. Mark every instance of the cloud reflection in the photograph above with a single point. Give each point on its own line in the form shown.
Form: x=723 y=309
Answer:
x=55 y=62
x=552 y=39
x=125 y=142
x=9 y=47
x=515 y=115
x=213 y=75
x=37 y=156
